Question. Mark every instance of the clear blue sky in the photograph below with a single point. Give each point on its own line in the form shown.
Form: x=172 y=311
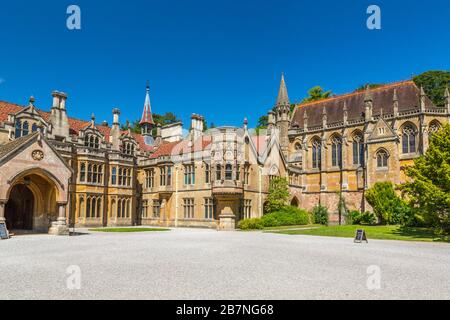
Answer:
x=219 y=58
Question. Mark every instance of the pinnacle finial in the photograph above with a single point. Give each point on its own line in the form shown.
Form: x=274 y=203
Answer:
x=368 y=94
x=283 y=99
x=345 y=106
x=447 y=93
x=422 y=91
x=32 y=100
x=395 y=97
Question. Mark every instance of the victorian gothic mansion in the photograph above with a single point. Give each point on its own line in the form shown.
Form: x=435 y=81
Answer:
x=57 y=171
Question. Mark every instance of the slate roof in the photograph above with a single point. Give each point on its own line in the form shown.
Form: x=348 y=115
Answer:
x=408 y=99
x=7 y=148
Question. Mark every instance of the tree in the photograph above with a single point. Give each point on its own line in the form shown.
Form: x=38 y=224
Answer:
x=429 y=188
x=434 y=84
x=263 y=122
x=317 y=93
x=165 y=119
x=371 y=86
x=386 y=204
x=278 y=195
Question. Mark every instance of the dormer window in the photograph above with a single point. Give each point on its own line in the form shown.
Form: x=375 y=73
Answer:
x=22 y=129
x=128 y=148
x=92 y=141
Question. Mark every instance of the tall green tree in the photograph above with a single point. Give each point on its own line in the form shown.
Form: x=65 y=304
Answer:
x=278 y=195
x=434 y=84
x=317 y=93
x=429 y=187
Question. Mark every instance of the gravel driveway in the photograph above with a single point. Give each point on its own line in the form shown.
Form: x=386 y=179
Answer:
x=206 y=264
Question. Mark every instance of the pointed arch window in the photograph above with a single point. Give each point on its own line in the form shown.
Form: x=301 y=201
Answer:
x=409 y=133
x=316 y=154
x=336 y=151
x=382 y=159
x=34 y=127
x=358 y=150
x=434 y=127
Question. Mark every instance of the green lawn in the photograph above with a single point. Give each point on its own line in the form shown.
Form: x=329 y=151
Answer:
x=281 y=228
x=128 y=229
x=372 y=232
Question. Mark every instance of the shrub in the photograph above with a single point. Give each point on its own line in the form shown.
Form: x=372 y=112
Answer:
x=250 y=224
x=288 y=216
x=278 y=195
x=356 y=217
x=386 y=204
x=320 y=214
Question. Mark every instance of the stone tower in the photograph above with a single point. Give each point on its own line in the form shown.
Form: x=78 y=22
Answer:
x=282 y=110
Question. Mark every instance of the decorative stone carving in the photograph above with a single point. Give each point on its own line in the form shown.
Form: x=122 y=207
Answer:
x=37 y=155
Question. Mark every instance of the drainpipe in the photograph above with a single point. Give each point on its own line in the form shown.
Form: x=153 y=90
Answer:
x=260 y=192
x=176 y=197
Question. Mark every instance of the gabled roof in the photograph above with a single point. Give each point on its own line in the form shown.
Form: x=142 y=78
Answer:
x=76 y=125
x=408 y=95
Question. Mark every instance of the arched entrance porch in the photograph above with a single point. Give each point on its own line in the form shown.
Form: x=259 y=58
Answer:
x=33 y=203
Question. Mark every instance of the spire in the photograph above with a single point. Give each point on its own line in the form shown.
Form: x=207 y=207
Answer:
x=147 y=117
x=283 y=99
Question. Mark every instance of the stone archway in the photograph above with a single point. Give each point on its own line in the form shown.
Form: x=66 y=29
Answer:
x=19 y=210
x=33 y=203
x=295 y=202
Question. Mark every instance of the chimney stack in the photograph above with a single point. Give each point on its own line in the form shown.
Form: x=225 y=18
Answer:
x=58 y=117
x=196 y=126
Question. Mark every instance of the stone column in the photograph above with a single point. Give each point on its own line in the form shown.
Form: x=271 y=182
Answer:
x=2 y=211
x=59 y=227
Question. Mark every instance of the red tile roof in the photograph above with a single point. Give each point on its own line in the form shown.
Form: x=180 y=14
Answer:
x=76 y=125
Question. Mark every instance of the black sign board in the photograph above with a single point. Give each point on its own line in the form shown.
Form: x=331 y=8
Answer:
x=360 y=236
x=3 y=231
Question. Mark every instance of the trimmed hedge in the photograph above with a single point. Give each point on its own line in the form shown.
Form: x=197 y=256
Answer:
x=288 y=216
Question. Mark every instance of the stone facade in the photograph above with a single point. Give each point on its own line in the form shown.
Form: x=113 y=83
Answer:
x=67 y=171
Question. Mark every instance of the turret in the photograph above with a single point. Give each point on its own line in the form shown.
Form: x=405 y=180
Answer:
x=146 y=122
x=305 y=121
x=282 y=109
